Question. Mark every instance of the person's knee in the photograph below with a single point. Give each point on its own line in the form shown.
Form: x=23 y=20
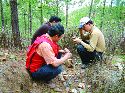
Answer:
x=80 y=48
x=59 y=69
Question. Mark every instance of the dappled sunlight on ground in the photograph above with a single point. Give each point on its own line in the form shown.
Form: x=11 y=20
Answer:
x=97 y=77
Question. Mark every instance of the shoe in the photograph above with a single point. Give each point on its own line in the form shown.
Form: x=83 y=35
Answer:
x=84 y=66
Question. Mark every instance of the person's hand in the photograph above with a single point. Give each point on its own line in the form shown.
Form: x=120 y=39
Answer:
x=66 y=50
x=62 y=51
x=68 y=55
x=77 y=40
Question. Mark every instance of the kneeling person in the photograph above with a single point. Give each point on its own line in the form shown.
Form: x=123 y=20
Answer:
x=92 y=43
x=43 y=59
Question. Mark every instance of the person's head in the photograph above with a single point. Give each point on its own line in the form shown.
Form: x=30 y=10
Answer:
x=54 y=19
x=86 y=24
x=56 y=32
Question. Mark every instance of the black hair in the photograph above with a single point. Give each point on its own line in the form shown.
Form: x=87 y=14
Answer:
x=90 y=22
x=56 y=29
x=44 y=28
x=54 y=18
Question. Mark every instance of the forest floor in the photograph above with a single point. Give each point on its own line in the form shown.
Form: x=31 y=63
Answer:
x=15 y=79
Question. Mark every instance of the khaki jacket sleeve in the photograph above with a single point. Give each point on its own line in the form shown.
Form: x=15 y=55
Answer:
x=93 y=42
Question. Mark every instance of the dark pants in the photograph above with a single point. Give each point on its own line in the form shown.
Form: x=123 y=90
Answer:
x=86 y=56
x=47 y=72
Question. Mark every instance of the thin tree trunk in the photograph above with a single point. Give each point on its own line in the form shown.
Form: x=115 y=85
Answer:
x=90 y=11
x=57 y=2
x=67 y=14
x=2 y=16
x=111 y=3
x=25 y=25
x=41 y=11
x=15 y=23
x=103 y=14
x=2 y=34
x=30 y=18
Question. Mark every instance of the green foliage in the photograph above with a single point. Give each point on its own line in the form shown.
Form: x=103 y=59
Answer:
x=111 y=22
x=111 y=18
x=123 y=57
x=112 y=14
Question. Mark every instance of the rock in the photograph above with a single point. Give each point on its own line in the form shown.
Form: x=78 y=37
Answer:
x=34 y=85
x=64 y=83
x=58 y=90
x=64 y=73
x=51 y=85
x=74 y=91
x=89 y=86
x=61 y=78
x=67 y=89
x=69 y=63
x=81 y=85
x=65 y=77
x=81 y=90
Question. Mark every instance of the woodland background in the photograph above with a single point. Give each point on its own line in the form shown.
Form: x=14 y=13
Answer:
x=19 y=19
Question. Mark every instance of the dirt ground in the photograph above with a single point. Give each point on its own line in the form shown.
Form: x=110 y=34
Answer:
x=15 y=79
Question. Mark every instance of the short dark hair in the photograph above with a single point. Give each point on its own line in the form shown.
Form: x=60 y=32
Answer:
x=54 y=18
x=56 y=29
x=90 y=22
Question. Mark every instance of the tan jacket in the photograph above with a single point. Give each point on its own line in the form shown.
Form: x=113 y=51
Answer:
x=96 y=40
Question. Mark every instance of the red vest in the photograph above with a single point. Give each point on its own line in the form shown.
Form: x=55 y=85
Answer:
x=34 y=61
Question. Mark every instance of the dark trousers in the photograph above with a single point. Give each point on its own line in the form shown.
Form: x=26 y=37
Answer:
x=86 y=56
x=47 y=72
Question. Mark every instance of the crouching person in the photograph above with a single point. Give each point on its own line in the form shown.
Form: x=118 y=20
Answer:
x=43 y=56
x=92 y=43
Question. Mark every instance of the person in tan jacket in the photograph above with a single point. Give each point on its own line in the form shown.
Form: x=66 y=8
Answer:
x=91 y=45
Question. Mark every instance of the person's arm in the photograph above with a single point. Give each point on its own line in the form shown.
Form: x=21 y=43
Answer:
x=47 y=53
x=92 y=45
x=83 y=35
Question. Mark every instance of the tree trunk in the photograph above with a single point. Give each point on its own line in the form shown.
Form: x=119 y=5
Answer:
x=67 y=14
x=2 y=16
x=90 y=11
x=30 y=18
x=103 y=13
x=25 y=25
x=41 y=11
x=14 y=22
x=57 y=3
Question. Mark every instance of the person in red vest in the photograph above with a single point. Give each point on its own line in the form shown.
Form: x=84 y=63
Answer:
x=45 y=27
x=43 y=61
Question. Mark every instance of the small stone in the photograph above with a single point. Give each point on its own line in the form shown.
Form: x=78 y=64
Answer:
x=67 y=89
x=76 y=80
x=61 y=78
x=65 y=77
x=34 y=85
x=74 y=91
x=58 y=90
x=89 y=86
x=81 y=85
x=64 y=72
x=51 y=85
x=80 y=90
